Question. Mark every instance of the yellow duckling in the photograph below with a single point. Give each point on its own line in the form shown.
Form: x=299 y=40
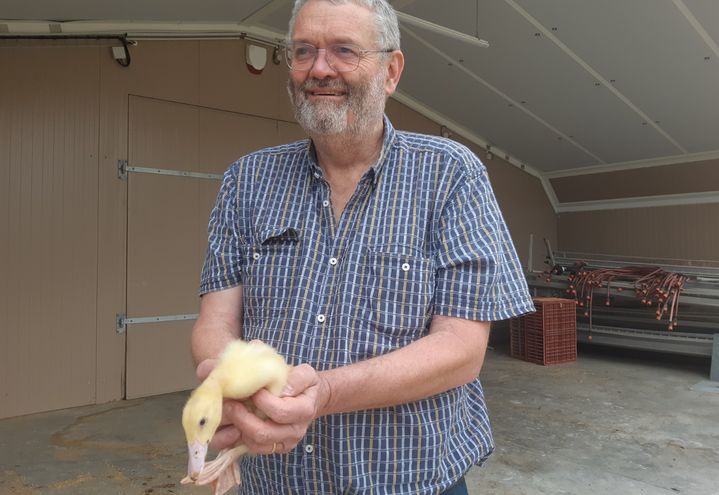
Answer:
x=243 y=369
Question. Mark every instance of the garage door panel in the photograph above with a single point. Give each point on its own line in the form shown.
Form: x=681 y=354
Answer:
x=163 y=252
x=163 y=349
x=226 y=136
x=167 y=228
x=164 y=255
x=163 y=134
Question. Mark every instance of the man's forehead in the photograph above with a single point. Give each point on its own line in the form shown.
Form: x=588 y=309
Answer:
x=345 y=22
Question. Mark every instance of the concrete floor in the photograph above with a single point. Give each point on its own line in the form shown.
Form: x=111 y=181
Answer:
x=614 y=423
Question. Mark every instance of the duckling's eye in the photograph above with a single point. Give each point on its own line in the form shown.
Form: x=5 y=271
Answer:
x=203 y=421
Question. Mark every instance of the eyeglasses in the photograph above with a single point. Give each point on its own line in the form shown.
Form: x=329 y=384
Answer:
x=341 y=57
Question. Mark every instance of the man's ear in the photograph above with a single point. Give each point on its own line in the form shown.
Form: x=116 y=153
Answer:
x=395 y=65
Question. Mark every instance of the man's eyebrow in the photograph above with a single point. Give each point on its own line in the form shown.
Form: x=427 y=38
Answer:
x=335 y=41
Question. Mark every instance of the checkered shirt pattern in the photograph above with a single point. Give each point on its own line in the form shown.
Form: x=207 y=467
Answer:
x=422 y=235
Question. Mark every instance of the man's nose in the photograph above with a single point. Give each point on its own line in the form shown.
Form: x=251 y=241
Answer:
x=321 y=68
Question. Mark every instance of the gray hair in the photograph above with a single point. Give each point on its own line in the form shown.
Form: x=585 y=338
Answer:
x=384 y=15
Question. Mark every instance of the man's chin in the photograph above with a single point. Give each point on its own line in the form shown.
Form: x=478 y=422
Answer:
x=326 y=125
x=319 y=129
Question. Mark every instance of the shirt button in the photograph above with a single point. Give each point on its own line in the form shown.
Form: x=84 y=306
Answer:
x=309 y=449
x=321 y=318
x=333 y=261
x=317 y=175
x=325 y=203
x=256 y=256
x=405 y=267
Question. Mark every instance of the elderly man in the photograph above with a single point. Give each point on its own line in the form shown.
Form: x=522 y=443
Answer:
x=373 y=260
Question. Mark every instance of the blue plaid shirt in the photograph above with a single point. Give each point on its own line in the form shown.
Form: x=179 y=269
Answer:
x=422 y=235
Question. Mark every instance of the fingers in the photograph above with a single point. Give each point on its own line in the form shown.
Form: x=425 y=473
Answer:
x=280 y=423
x=285 y=410
x=262 y=435
x=299 y=379
x=205 y=367
x=226 y=437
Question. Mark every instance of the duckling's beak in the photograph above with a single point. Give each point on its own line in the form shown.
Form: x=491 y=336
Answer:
x=198 y=452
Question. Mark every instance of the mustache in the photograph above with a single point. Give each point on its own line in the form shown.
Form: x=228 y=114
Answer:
x=312 y=84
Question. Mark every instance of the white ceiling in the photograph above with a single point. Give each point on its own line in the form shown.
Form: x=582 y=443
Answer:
x=564 y=85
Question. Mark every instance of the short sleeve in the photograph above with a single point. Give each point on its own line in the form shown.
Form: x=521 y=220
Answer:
x=479 y=276
x=223 y=262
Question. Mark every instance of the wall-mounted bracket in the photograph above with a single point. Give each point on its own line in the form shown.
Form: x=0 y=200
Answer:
x=122 y=169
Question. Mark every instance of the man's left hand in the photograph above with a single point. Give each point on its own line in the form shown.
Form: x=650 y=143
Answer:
x=287 y=416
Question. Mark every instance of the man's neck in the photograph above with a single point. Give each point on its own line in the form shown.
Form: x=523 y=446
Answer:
x=349 y=154
x=344 y=159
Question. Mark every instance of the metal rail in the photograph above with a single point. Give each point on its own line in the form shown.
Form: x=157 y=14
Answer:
x=692 y=344
x=122 y=321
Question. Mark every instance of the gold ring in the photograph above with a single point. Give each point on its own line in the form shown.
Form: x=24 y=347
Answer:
x=274 y=447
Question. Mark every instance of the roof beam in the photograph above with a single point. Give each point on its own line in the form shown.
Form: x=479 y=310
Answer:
x=259 y=15
x=697 y=26
x=400 y=4
x=502 y=95
x=608 y=85
x=441 y=30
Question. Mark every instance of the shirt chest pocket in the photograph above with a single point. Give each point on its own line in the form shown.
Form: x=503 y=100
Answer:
x=271 y=271
x=398 y=294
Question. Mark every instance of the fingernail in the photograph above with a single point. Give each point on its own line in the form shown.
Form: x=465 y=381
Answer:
x=288 y=391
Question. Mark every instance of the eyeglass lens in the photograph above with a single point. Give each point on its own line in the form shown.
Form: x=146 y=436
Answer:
x=341 y=58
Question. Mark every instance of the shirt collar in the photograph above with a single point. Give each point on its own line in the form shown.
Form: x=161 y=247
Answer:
x=388 y=140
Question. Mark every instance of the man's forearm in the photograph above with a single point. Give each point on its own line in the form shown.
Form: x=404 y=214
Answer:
x=220 y=322
x=209 y=339
x=450 y=356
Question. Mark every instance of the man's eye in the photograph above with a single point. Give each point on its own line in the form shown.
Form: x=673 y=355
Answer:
x=302 y=52
x=345 y=51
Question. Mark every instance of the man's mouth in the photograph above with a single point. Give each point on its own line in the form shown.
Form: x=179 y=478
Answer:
x=326 y=93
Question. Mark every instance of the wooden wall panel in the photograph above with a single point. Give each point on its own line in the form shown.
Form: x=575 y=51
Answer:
x=682 y=232
x=112 y=227
x=49 y=109
x=226 y=82
x=290 y=132
x=680 y=178
x=166 y=70
x=406 y=119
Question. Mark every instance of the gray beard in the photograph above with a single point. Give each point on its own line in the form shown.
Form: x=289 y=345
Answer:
x=365 y=101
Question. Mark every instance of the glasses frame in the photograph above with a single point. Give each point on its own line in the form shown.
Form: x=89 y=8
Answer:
x=361 y=51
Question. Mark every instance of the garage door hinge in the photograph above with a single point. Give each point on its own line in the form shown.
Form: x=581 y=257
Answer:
x=122 y=169
x=121 y=320
x=120 y=325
